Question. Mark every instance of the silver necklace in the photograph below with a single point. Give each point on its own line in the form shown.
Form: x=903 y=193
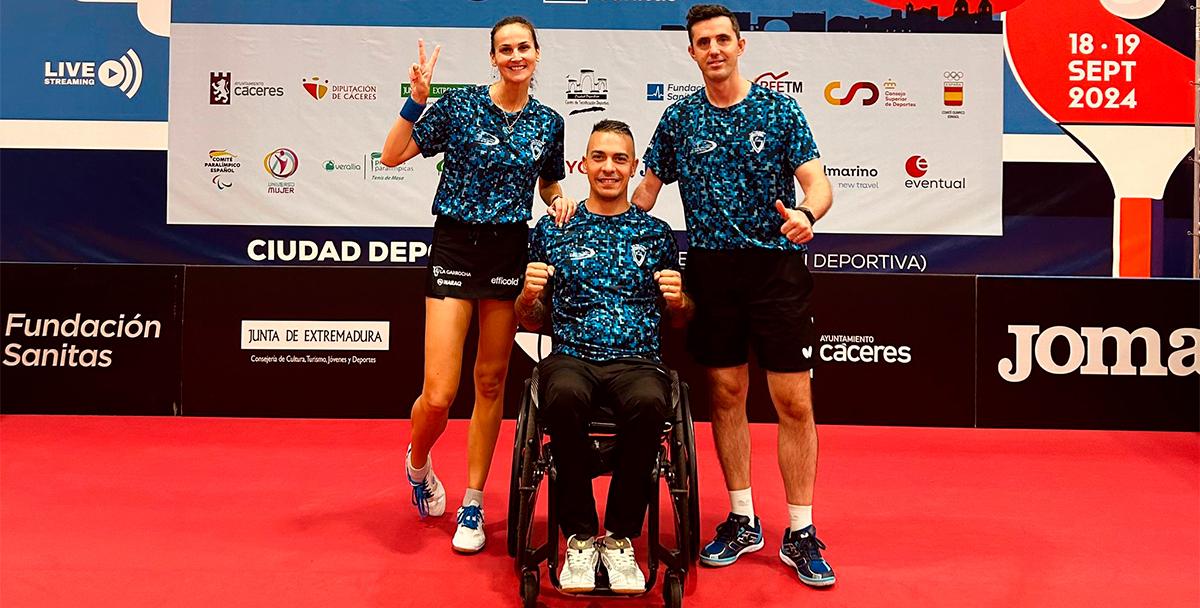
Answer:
x=508 y=126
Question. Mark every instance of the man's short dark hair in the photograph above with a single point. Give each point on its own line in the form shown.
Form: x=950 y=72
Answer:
x=609 y=125
x=704 y=12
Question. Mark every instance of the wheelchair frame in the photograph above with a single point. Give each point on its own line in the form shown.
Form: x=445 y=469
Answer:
x=676 y=464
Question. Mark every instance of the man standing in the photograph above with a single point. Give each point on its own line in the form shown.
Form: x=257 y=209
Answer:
x=735 y=149
x=603 y=274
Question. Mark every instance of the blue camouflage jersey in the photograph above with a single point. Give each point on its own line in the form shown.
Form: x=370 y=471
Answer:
x=603 y=294
x=490 y=173
x=732 y=164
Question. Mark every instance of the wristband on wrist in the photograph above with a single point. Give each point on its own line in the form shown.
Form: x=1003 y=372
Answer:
x=411 y=110
x=812 y=219
x=554 y=198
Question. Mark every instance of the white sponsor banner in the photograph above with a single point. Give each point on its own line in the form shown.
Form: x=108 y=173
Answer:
x=315 y=335
x=280 y=128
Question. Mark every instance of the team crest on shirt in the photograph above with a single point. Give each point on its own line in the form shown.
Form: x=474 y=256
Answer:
x=757 y=140
x=537 y=146
x=639 y=254
x=702 y=146
x=487 y=139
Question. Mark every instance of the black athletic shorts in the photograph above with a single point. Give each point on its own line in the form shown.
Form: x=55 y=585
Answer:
x=750 y=298
x=476 y=261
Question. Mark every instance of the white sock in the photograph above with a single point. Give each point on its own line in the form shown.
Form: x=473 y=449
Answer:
x=800 y=516
x=473 y=496
x=741 y=503
x=421 y=473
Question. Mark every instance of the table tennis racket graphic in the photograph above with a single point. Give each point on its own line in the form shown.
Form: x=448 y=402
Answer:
x=1121 y=92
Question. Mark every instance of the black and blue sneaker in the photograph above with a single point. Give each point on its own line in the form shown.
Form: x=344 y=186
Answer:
x=735 y=536
x=802 y=550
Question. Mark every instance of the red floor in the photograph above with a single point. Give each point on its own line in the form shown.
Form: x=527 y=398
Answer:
x=164 y=512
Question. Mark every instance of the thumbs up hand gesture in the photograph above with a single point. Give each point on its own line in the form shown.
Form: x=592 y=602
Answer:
x=796 y=226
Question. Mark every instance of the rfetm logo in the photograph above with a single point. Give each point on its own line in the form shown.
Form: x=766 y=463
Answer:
x=777 y=83
x=123 y=73
x=1085 y=353
x=916 y=166
x=281 y=163
x=316 y=87
x=219 y=88
x=872 y=93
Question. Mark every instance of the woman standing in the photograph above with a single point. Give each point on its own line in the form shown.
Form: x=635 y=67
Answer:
x=497 y=141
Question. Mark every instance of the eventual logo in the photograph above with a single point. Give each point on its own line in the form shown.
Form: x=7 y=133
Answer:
x=220 y=85
x=222 y=164
x=757 y=140
x=655 y=91
x=123 y=73
x=916 y=166
x=639 y=254
x=281 y=163
x=537 y=146
x=587 y=90
x=701 y=146
x=316 y=87
x=952 y=88
x=778 y=83
x=871 y=95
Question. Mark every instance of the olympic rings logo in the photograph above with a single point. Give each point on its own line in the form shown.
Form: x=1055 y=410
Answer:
x=952 y=75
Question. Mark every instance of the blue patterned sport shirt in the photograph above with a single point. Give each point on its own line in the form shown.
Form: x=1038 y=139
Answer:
x=732 y=164
x=603 y=294
x=490 y=171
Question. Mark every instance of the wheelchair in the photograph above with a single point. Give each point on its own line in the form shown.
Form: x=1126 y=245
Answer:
x=533 y=460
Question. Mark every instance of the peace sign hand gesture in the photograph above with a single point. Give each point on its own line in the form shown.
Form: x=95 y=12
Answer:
x=420 y=74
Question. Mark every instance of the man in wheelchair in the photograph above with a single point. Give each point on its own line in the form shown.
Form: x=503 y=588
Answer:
x=606 y=278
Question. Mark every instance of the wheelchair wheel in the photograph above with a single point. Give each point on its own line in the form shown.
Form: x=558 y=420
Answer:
x=528 y=452
x=672 y=590
x=530 y=585
x=514 y=484
x=687 y=508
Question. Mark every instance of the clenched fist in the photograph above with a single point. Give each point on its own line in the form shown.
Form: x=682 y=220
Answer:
x=537 y=275
x=670 y=283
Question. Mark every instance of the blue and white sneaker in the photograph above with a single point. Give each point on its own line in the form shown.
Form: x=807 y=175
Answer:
x=735 y=536
x=428 y=495
x=802 y=551
x=469 y=536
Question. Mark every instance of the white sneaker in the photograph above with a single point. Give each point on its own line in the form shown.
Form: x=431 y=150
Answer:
x=428 y=495
x=578 y=573
x=624 y=576
x=469 y=536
